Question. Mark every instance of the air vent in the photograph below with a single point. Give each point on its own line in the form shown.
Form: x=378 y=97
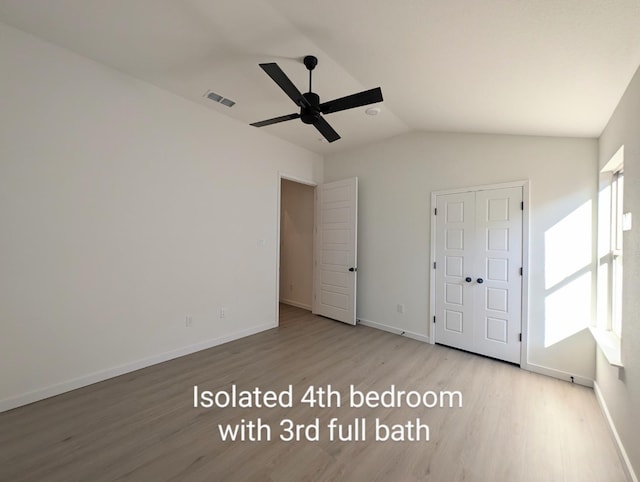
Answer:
x=214 y=96
x=219 y=99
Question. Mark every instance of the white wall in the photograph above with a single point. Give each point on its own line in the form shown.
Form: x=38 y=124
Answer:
x=620 y=388
x=296 y=243
x=396 y=178
x=124 y=209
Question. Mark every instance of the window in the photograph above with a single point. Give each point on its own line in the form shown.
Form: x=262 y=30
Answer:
x=617 y=190
x=608 y=328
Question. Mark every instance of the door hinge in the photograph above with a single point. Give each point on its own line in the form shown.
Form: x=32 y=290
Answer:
x=520 y=337
x=435 y=212
x=434 y=265
x=434 y=319
x=520 y=271
x=522 y=205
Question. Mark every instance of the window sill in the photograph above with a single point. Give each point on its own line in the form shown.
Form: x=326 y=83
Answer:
x=609 y=343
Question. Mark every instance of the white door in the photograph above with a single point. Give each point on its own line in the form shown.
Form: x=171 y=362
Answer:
x=455 y=233
x=335 y=254
x=478 y=272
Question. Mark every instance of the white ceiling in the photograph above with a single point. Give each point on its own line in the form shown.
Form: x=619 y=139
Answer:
x=544 y=67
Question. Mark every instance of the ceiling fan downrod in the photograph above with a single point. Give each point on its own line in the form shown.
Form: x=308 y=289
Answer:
x=310 y=63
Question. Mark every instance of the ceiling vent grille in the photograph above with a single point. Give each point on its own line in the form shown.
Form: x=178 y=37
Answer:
x=219 y=99
x=227 y=102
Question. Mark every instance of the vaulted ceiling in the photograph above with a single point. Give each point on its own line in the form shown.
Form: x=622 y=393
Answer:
x=493 y=66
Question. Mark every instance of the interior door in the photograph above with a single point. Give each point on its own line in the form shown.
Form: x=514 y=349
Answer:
x=478 y=272
x=497 y=306
x=335 y=253
x=455 y=238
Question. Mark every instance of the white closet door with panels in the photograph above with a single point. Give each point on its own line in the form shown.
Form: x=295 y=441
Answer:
x=478 y=277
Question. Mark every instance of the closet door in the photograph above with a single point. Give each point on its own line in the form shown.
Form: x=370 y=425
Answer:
x=498 y=253
x=455 y=245
x=478 y=280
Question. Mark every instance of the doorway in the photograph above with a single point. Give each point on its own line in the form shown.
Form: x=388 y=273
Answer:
x=317 y=247
x=296 y=243
x=477 y=284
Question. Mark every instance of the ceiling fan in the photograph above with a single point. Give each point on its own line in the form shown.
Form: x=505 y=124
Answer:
x=311 y=110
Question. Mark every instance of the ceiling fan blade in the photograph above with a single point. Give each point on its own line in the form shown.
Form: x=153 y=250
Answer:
x=326 y=130
x=275 y=120
x=279 y=77
x=349 y=102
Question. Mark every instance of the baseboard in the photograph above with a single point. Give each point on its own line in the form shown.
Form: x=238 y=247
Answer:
x=296 y=304
x=552 y=372
x=532 y=367
x=626 y=463
x=395 y=330
x=66 y=386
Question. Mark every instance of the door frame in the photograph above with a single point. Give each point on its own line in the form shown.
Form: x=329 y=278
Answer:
x=525 y=185
x=299 y=180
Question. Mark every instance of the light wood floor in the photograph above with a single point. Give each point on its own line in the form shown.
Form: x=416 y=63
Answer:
x=514 y=425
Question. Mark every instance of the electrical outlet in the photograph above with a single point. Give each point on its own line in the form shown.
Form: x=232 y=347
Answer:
x=222 y=313
x=400 y=308
x=189 y=321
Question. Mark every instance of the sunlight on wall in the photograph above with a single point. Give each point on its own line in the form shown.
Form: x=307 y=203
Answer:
x=568 y=246
x=568 y=275
x=568 y=310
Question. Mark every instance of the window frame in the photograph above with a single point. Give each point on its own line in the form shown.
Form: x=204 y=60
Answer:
x=615 y=281
x=607 y=329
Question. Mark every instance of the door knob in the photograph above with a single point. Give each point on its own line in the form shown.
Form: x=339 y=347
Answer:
x=353 y=269
x=468 y=279
x=480 y=280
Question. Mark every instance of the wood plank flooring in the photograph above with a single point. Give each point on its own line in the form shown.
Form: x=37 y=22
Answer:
x=513 y=426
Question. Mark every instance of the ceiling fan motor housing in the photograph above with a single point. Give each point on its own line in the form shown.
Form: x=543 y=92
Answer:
x=310 y=114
